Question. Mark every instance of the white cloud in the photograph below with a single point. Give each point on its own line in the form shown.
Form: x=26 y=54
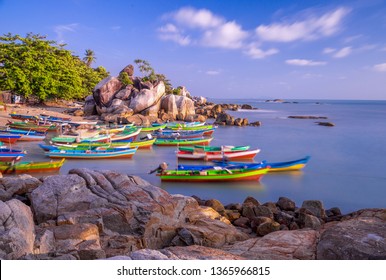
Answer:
x=256 y=53
x=309 y=29
x=380 y=67
x=170 y=32
x=328 y=50
x=203 y=28
x=60 y=30
x=228 y=35
x=212 y=72
x=194 y=18
x=304 y=62
x=342 y=52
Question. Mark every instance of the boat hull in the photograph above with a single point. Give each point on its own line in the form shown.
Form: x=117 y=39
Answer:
x=182 y=142
x=9 y=139
x=212 y=175
x=236 y=155
x=102 y=154
x=31 y=167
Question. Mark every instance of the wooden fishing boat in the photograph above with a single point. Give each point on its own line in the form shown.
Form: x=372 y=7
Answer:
x=225 y=148
x=201 y=127
x=176 y=125
x=152 y=128
x=141 y=144
x=92 y=145
x=9 y=155
x=19 y=131
x=292 y=165
x=129 y=134
x=172 y=134
x=54 y=119
x=26 y=135
x=23 y=117
x=9 y=138
x=93 y=154
x=212 y=175
x=28 y=167
x=183 y=142
x=31 y=126
x=218 y=155
x=113 y=129
x=68 y=139
x=83 y=147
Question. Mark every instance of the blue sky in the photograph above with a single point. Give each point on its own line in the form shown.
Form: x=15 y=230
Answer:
x=225 y=49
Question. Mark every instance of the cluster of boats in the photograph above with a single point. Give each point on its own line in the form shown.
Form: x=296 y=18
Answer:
x=122 y=141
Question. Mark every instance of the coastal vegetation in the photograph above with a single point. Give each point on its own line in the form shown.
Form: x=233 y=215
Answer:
x=33 y=66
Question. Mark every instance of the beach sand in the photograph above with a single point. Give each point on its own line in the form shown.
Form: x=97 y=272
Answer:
x=57 y=111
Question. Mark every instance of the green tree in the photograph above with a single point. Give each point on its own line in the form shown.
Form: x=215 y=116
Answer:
x=40 y=67
x=89 y=57
x=145 y=68
x=125 y=79
x=150 y=75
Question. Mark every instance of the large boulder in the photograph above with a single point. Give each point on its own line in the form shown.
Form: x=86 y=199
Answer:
x=17 y=233
x=185 y=107
x=89 y=106
x=129 y=69
x=147 y=98
x=125 y=93
x=362 y=237
x=17 y=185
x=278 y=245
x=130 y=214
x=168 y=104
x=105 y=90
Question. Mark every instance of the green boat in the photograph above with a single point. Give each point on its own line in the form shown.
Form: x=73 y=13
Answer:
x=201 y=127
x=213 y=175
x=183 y=142
x=28 y=167
x=142 y=144
x=152 y=128
x=214 y=148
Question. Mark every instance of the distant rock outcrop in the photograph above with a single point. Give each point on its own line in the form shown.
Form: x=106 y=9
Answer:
x=116 y=102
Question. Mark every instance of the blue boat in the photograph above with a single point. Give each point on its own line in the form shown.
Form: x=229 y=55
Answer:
x=93 y=154
x=292 y=165
x=8 y=155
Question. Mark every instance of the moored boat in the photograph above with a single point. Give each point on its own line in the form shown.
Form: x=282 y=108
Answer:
x=9 y=155
x=292 y=165
x=9 y=138
x=32 y=126
x=142 y=144
x=152 y=128
x=225 y=148
x=212 y=175
x=29 y=167
x=218 y=155
x=183 y=142
x=93 y=154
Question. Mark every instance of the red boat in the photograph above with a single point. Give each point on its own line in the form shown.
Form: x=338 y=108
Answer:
x=8 y=138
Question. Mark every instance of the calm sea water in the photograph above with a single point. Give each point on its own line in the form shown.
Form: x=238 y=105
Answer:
x=347 y=168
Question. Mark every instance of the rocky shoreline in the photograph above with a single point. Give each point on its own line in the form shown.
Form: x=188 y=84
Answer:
x=89 y=214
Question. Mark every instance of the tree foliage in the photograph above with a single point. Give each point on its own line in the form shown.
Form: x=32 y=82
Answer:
x=150 y=75
x=36 y=66
x=125 y=79
x=89 y=57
